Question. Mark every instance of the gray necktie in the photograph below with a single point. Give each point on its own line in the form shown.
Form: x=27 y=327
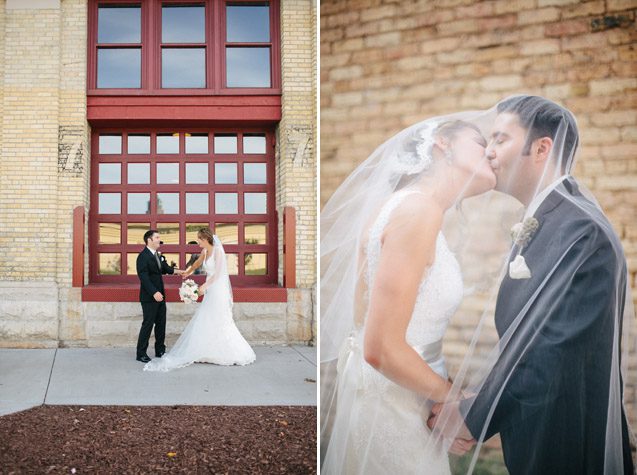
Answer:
x=158 y=261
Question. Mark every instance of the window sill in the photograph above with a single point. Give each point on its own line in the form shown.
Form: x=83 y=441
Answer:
x=130 y=293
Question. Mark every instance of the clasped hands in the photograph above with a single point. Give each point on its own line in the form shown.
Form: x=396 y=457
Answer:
x=185 y=274
x=454 y=427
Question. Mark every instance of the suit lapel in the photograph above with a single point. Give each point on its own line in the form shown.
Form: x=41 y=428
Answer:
x=152 y=257
x=513 y=294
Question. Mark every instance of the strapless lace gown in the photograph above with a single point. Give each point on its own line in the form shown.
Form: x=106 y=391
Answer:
x=380 y=426
x=211 y=336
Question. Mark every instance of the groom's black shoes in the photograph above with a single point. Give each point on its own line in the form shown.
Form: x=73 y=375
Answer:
x=143 y=358
x=159 y=355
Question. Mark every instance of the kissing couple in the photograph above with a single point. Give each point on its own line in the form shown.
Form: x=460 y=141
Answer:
x=419 y=235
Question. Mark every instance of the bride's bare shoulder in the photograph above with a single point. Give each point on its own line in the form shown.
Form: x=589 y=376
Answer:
x=418 y=209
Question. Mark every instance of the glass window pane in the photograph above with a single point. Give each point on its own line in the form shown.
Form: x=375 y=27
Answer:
x=169 y=232
x=110 y=233
x=196 y=143
x=191 y=231
x=254 y=173
x=196 y=173
x=254 y=144
x=225 y=144
x=119 y=24
x=139 y=203
x=197 y=203
x=109 y=264
x=138 y=144
x=168 y=203
x=183 y=24
x=167 y=173
x=131 y=263
x=248 y=23
x=232 y=261
x=167 y=143
x=110 y=173
x=119 y=67
x=248 y=67
x=109 y=203
x=183 y=67
x=110 y=144
x=256 y=264
x=254 y=203
x=226 y=203
x=139 y=173
x=190 y=260
x=136 y=232
x=228 y=232
x=225 y=173
x=172 y=259
x=255 y=234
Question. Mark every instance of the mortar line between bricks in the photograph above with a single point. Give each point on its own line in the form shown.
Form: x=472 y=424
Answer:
x=48 y=384
x=304 y=357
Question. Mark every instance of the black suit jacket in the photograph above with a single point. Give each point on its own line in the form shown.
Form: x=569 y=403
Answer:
x=551 y=382
x=150 y=275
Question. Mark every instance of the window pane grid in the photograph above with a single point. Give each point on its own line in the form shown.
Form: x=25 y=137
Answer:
x=206 y=25
x=186 y=197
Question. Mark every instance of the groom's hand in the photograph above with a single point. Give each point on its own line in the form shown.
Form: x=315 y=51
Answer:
x=454 y=422
x=158 y=297
x=461 y=446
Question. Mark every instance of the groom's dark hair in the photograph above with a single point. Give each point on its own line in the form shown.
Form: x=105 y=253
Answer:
x=149 y=234
x=544 y=118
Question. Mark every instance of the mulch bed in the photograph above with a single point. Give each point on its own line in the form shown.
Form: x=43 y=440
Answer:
x=173 y=439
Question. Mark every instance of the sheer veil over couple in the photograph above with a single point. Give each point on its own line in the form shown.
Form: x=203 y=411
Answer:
x=211 y=336
x=425 y=231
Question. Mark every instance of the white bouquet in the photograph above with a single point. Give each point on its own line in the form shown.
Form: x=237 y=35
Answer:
x=188 y=292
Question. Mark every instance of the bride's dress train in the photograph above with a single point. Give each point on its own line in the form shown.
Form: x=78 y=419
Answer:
x=379 y=426
x=211 y=336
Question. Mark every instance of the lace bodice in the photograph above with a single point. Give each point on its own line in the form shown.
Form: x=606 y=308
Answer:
x=440 y=291
x=208 y=265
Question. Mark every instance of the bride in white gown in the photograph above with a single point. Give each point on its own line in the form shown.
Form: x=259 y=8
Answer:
x=211 y=336
x=407 y=285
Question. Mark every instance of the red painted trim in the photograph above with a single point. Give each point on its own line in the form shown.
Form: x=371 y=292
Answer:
x=205 y=110
x=130 y=293
x=78 y=246
x=151 y=46
x=289 y=247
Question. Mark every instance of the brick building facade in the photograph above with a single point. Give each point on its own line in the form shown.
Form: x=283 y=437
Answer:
x=75 y=79
x=388 y=64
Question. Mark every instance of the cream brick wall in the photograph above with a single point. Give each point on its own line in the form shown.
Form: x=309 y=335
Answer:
x=386 y=65
x=44 y=173
x=296 y=134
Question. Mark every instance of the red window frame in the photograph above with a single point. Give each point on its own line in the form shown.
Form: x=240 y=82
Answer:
x=215 y=49
x=241 y=249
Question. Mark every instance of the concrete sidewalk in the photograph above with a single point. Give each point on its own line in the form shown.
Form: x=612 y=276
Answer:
x=111 y=376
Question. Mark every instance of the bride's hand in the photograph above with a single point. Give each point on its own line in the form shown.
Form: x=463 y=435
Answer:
x=201 y=290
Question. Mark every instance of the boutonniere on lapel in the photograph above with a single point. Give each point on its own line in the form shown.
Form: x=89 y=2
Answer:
x=521 y=233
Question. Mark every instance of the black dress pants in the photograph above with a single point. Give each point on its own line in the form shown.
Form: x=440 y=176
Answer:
x=154 y=315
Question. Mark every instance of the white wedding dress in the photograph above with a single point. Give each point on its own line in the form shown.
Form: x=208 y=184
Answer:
x=211 y=336
x=379 y=427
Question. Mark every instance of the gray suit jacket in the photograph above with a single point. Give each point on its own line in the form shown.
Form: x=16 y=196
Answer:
x=554 y=375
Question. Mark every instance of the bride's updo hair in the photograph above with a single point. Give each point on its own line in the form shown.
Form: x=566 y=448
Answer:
x=448 y=130
x=206 y=233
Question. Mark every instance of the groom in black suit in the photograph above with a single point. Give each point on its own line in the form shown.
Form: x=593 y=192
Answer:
x=152 y=296
x=548 y=393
